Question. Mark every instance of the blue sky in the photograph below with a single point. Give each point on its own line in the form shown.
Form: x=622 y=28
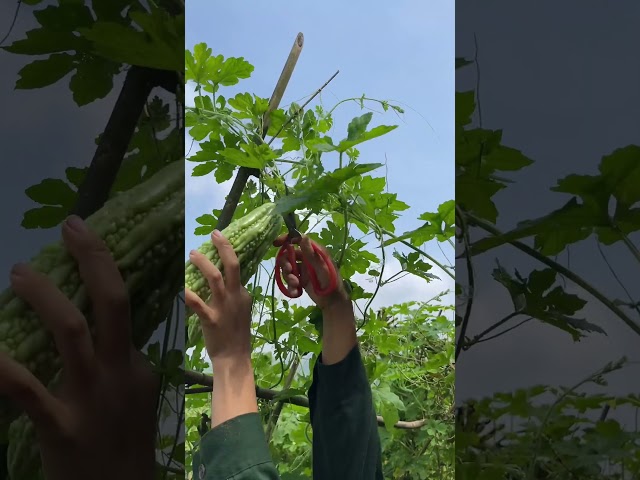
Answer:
x=401 y=51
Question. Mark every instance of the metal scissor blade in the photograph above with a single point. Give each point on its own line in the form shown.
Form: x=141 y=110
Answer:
x=290 y=222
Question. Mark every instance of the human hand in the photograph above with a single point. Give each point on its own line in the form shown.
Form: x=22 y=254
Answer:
x=226 y=320
x=306 y=253
x=101 y=422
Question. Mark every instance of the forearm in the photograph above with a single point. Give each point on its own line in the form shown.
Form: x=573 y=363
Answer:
x=338 y=331
x=234 y=389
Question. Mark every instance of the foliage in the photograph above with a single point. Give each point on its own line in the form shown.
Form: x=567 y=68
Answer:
x=408 y=348
x=543 y=431
x=94 y=43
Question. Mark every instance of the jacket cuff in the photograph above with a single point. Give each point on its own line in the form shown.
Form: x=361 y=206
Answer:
x=230 y=448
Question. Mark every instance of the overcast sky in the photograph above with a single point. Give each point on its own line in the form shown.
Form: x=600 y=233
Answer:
x=561 y=79
x=401 y=51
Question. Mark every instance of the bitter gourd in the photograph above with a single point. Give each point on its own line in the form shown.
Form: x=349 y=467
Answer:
x=251 y=236
x=144 y=230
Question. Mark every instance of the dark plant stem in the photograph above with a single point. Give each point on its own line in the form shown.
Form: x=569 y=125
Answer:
x=95 y=189
x=471 y=279
x=575 y=278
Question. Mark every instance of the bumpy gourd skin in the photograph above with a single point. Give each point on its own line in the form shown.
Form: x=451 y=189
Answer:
x=144 y=230
x=251 y=237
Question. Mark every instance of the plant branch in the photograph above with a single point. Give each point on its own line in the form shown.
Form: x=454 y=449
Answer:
x=488 y=227
x=239 y=183
x=470 y=273
x=275 y=415
x=475 y=341
x=95 y=189
x=292 y=117
x=421 y=252
x=197 y=378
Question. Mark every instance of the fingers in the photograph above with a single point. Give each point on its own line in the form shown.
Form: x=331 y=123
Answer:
x=229 y=260
x=285 y=260
x=60 y=316
x=27 y=393
x=105 y=287
x=211 y=273
x=196 y=304
x=311 y=256
x=278 y=242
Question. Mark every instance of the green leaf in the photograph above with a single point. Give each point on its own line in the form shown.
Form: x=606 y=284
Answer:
x=154 y=47
x=65 y=17
x=358 y=126
x=43 y=41
x=621 y=174
x=474 y=195
x=569 y=224
x=93 y=80
x=109 y=10
x=249 y=106
x=328 y=183
x=465 y=106
x=203 y=169
x=76 y=175
x=462 y=62
x=440 y=225
x=195 y=63
x=207 y=219
x=413 y=264
x=306 y=345
x=41 y=73
x=361 y=137
x=389 y=405
x=505 y=159
x=44 y=217
x=227 y=72
x=251 y=156
x=224 y=172
x=52 y=192
x=533 y=297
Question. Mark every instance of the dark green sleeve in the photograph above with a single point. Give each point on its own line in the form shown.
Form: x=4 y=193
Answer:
x=235 y=450
x=346 y=444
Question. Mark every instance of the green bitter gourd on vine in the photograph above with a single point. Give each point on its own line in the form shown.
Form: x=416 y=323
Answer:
x=251 y=237
x=144 y=230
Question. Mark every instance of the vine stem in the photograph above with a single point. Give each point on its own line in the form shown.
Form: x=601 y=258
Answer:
x=275 y=415
x=107 y=159
x=471 y=276
x=197 y=378
x=488 y=227
x=407 y=244
x=481 y=340
x=421 y=252
x=628 y=243
x=610 y=367
x=490 y=329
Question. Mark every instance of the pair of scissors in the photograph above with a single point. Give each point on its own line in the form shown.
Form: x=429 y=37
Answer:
x=289 y=250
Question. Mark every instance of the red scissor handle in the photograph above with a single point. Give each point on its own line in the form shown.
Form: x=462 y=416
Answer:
x=289 y=250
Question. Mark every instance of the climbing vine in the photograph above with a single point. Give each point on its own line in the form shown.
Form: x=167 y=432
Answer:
x=313 y=166
x=543 y=431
